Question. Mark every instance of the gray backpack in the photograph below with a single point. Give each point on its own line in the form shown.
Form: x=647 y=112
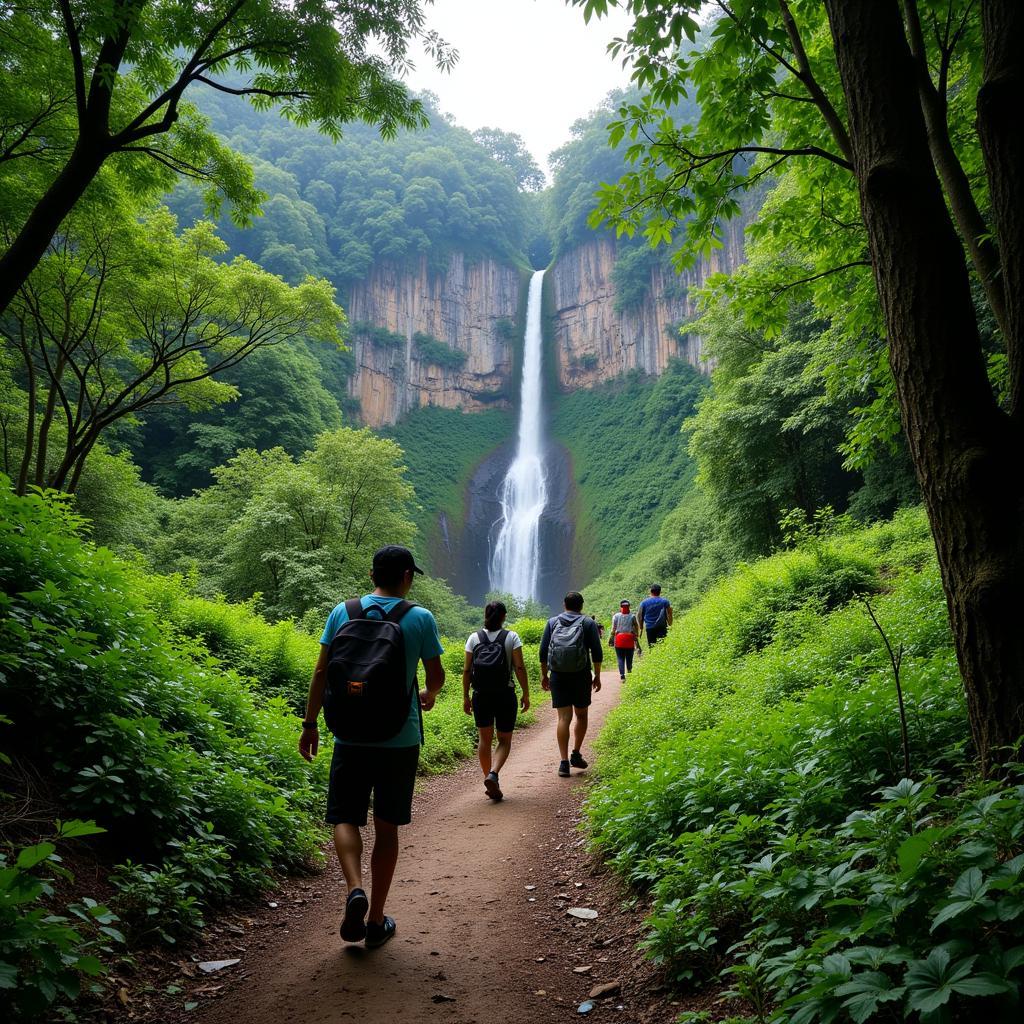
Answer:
x=567 y=650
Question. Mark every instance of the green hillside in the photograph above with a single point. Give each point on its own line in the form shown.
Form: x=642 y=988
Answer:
x=442 y=448
x=630 y=461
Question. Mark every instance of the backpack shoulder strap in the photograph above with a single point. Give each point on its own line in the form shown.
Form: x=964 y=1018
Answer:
x=482 y=636
x=398 y=612
x=354 y=608
x=502 y=637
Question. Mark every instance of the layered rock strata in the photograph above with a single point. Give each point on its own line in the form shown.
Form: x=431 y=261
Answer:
x=594 y=341
x=470 y=308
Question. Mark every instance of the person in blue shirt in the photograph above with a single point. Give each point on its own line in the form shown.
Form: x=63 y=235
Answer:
x=655 y=615
x=385 y=769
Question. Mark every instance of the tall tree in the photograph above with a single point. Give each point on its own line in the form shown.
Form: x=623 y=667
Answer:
x=864 y=112
x=509 y=149
x=124 y=315
x=126 y=66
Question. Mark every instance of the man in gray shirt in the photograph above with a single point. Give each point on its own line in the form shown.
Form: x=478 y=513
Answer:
x=573 y=644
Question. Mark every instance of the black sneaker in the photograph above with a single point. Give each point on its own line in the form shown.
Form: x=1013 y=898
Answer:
x=576 y=760
x=353 y=928
x=378 y=934
x=492 y=787
x=563 y=769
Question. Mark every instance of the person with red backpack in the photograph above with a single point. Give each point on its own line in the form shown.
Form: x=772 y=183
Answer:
x=493 y=654
x=624 y=638
x=365 y=682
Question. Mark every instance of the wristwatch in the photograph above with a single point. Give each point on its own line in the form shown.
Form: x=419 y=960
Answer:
x=309 y=725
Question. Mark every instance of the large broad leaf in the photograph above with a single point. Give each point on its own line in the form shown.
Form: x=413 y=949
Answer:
x=866 y=991
x=75 y=829
x=33 y=855
x=968 y=893
x=931 y=982
x=914 y=848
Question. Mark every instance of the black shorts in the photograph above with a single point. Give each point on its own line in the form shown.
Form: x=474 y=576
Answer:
x=571 y=689
x=657 y=633
x=496 y=707
x=388 y=773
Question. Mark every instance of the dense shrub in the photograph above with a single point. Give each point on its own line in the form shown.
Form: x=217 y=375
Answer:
x=278 y=657
x=629 y=460
x=47 y=957
x=438 y=353
x=752 y=782
x=134 y=723
x=377 y=335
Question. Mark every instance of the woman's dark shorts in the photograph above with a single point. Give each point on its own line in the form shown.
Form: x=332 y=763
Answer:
x=571 y=689
x=388 y=773
x=496 y=708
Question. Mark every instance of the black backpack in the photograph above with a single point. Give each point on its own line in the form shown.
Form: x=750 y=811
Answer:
x=366 y=698
x=490 y=671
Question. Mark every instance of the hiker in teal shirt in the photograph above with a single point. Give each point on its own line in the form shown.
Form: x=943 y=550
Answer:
x=385 y=769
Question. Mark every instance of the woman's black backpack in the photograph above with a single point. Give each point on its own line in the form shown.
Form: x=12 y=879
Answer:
x=490 y=671
x=367 y=698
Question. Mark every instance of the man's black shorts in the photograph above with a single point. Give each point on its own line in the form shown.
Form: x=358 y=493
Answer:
x=571 y=689
x=490 y=708
x=655 y=634
x=389 y=773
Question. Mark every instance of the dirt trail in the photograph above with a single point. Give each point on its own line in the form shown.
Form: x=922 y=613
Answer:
x=468 y=936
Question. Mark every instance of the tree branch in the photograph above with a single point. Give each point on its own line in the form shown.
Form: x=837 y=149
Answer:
x=817 y=277
x=814 y=89
x=75 y=44
x=974 y=230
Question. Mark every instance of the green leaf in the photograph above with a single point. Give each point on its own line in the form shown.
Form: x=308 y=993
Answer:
x=950 y=911
x=33 y=855
x=91 y=965
x=76 y=829
x=912 y=850
x=982 y=985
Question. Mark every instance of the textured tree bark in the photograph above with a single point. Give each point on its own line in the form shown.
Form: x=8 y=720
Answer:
x=1001 y=130
x=966 y=451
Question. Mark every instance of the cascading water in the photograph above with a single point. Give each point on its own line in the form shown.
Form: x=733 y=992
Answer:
x=516 y=556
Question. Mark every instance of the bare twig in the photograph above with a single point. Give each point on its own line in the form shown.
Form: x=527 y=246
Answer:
x=896 y=659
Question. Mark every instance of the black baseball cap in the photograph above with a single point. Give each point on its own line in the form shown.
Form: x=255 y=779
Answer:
x=394 y=557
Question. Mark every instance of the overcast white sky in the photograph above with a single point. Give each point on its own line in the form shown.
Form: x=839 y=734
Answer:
x=526 y=66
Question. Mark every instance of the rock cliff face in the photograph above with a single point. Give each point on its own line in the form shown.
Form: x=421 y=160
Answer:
x=593 y=342
x=470 y=308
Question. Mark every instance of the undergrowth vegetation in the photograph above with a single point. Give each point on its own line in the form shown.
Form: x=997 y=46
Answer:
x=167 y=719
x=753 y=784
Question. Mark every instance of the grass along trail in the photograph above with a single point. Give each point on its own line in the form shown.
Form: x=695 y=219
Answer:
x=470 y=931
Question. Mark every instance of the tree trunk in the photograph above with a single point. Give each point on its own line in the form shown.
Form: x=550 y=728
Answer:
x=966 y=452
x=43 y=222
x=42 y=445
x=30 y=423
x=1001 y=131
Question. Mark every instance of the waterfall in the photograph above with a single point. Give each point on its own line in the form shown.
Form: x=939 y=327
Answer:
x=523 y=493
